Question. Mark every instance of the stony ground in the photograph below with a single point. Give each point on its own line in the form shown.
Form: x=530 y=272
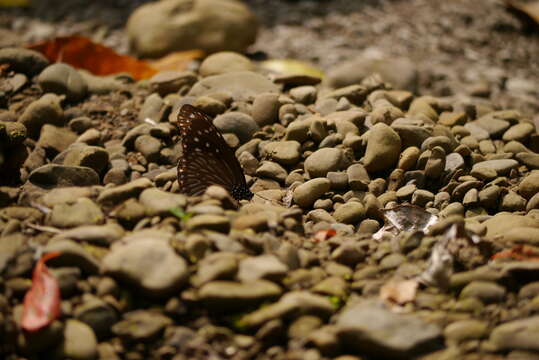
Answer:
x=378 y=206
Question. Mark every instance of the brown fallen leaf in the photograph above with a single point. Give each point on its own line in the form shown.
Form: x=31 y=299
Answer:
x=83 y=53
x=399 y=292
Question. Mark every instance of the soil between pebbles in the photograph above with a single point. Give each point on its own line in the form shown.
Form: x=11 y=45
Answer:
x=94 y=179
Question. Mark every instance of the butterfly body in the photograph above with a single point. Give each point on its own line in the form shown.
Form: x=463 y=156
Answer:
x=206 y=157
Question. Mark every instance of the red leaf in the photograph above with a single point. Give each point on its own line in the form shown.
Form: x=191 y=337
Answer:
x=323 y=235
x=518 y=252
x=42 y=301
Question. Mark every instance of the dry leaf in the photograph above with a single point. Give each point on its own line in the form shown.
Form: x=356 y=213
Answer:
x=82 y=53
x=518 y=252
x=42 y=301
x=323 y=235
x=399 y=292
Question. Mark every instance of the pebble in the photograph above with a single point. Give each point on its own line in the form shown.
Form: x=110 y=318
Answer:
x=149 y=147
x=265 y=109
x=369 y=328
x=159 y=203
x=141 y=326
x=82 y=212
x=124 y=192
x=516 y=334
x=240 y=124
x=351 y=212
x=465 y=330
x=52 y=175
x=283 y=152
x=241 y=85
x=224 y=62
x=230 y=295
x=23 y=60
x=528 y=159
x=502 y=166
x=383 y=148
x=151 y=266
x=63 y=79
x=292 y=304
x=45 y=110
x=306 y=194
x=72 y=254
x=266 y=267
x=487 y=292
x=79 y=341
x=322 y=161
x=97 y=314
x=208 y=222
x=93 y=157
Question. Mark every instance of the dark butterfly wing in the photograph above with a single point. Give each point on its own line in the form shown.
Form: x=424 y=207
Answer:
x=207 y=159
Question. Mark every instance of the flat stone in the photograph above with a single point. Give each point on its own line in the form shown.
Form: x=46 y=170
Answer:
x=283 y=152
x=159 y=202
x=230 y=295
x=82 y=212
x=517 y=334
x=322 y=161
x=294 y=303
x=151 y=266
x=141 y=326
x=125 y=191
x=241 y=85
x=72 y=254
x=371 y=329
x=267 y=267
x=53 y=175
x=501 y=166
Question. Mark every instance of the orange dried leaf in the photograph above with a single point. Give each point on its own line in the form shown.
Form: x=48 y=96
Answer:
x=82 y=53
x=323 y=235
x=399 y=292
x=518 y=252
x=42 y=302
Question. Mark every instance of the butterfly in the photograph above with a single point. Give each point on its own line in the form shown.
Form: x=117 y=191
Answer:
x=206 y=157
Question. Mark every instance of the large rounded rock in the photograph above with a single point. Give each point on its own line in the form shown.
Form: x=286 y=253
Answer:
x=383 y=148
x=283 y=152
x=158 y=28
x=306 y=194
x=62 y=79
x=322 y=161
x=152 y=266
